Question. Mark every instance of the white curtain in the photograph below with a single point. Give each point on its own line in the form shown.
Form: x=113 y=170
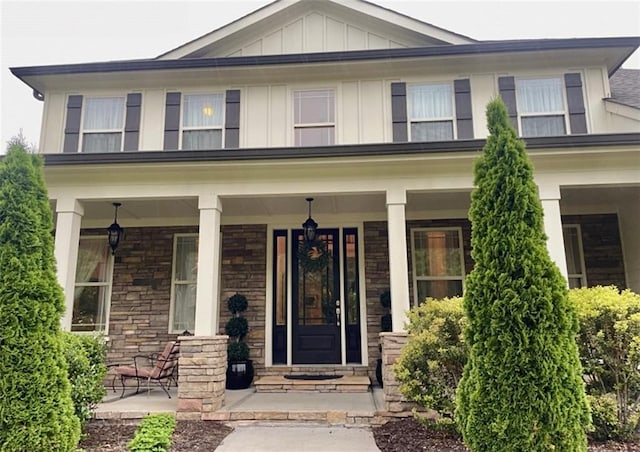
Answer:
x=186 y=262
x=202 y=139
x=101 y=142
x=314 y=107
x=432 y=131
x=202 y=110
x=92 y=253
x=103 y=113
x=430 y=101
x=540 y=95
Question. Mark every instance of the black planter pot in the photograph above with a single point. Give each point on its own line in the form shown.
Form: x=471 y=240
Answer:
x=379 y=371
x=239 y=374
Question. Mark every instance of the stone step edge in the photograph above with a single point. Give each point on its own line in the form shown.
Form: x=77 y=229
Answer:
x=346 y=418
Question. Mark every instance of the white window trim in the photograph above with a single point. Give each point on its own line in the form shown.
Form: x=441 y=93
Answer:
x=171 y=330
x=84 y=132
x=452 y=119
x=201 y=128
x=108 y=284
x=564 y=113
x=417 y=278
x=583 y=268
x=309 y=125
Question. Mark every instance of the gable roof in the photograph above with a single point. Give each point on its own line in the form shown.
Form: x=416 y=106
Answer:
x=625 y=87
x=281 y=12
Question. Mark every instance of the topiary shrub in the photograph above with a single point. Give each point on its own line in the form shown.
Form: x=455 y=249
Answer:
x=430 y=365
x=153 y=434
x=86 y=358
x=522 y=387
x=36 y=410
x=609 y=341
x=237 y=328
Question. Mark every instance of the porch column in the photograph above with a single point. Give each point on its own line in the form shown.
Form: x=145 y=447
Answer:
x=67 y=241
x=550 y=199
x=398 y=267
x=208 y=290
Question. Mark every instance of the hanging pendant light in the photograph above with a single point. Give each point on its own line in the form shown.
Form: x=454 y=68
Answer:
x=309 y=227
x=115 y=231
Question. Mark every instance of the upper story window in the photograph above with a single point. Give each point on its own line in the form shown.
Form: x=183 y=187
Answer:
x=102 y=124
x=541 y=107
x=92 y=295
x=202 y=121
x=314 y=117
x=438 y=263
x=574 y=255
x=184 y=282
x=431 y=112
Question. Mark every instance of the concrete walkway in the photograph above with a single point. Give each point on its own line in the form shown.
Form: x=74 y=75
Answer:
x=302 y=437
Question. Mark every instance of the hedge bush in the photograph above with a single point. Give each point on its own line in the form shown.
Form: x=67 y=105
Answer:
x=36 y=409
x=609 y=342
x=153 y=434
x=86 y=358
x=430 y=365
x=522 y=387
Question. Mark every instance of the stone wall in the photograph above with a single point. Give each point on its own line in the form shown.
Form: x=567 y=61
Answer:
x=141 y=292
x=202 y=376
x=603 y=258
x=392 y=344
x=244 y=270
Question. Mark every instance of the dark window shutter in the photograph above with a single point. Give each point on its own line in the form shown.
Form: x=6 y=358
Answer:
x=464 y=116
x=72 y=127
x=577 y=117
x=172 y=121
x=399 y=111
x=232 y=119
x=132 y=122
x=507 y=88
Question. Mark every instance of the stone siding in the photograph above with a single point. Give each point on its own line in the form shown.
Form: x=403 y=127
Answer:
x=244 y=270
x=603 y=258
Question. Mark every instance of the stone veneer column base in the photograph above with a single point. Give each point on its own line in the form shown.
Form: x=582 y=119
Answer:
x=201 y=375
x=392 y=344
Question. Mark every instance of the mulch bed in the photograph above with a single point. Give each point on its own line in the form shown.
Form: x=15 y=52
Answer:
x=406 y=435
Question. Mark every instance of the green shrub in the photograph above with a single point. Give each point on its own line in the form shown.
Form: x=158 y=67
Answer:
x=604 y=413
x=237 y=351
x=237 y=328
x=36 y=409
x=430 y=365
x=153 y=434
x=609 y=341
x=522 y=387
x=86 y=358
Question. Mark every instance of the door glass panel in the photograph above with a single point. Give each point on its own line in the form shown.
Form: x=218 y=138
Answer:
x=351 y=279
x=281 y=280
x=316 y=289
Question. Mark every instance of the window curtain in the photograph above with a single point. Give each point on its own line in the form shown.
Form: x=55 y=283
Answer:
x=430 y=101
x=91 y=254
x=540 y=96
x=202 y=139
x=202 y=110
x=432 y=131
x=104 y=113
x=184 y=314
x=101 y=142
x=572 y=251
x=314 y=107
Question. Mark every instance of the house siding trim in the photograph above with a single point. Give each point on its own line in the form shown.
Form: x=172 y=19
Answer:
x=358 y=150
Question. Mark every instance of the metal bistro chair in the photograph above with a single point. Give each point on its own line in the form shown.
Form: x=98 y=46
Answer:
x=162 y=369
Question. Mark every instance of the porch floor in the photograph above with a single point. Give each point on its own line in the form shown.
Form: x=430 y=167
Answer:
x=249 y=405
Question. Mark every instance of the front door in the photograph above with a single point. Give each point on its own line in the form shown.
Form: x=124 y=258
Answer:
x=316 y=299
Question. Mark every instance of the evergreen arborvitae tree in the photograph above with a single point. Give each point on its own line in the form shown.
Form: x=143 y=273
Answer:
x=36 y=410
x=522 y=388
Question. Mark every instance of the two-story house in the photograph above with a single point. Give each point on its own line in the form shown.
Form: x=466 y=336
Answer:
x=213 y=148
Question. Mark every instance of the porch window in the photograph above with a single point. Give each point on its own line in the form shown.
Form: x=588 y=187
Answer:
x=541 y=107
x=184 y=279
x=431 y=112
x=575 y=256
x=202 y=119
x=92 y=293
x=102 y=124
x=314 y=117
x=438 y=263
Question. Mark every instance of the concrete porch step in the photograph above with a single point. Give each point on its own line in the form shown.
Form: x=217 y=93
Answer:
x=278 y=383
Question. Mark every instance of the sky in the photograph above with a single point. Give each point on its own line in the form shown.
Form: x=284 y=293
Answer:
x=44 y=32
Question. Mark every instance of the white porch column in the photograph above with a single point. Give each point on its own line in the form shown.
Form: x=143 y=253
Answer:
x=398 y=263
x=208 y=290
x=550 y=199
x=67 y=241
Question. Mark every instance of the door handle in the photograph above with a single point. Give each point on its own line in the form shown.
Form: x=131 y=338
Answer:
x=338 y=312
